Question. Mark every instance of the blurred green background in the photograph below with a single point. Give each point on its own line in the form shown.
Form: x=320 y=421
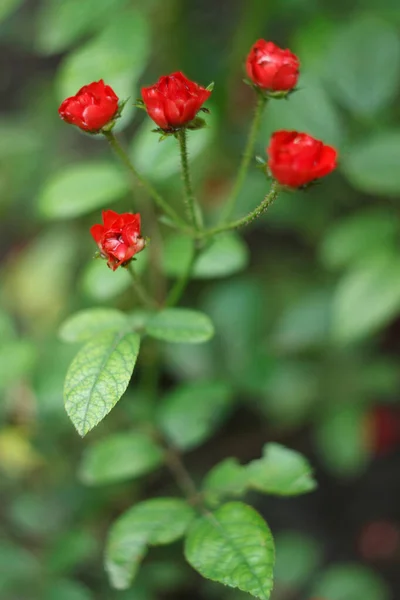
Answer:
x=306 y=302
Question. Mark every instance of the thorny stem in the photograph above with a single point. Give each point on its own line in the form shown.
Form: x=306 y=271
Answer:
x=257 y=212
x=247 y=156
x=140 y=290
x=192 y=206
x=158 y=199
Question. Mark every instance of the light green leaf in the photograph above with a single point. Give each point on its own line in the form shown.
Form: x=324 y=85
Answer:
x=98 y=376
x=60 y=24
x=120 y=457
x=151 y=523
x=362 y=67
x=180 y=325
x=233 y=546
x=280 y=471
x=7 y=7
x=340 y=437
x=228 y=478
x=372 y=165
x=118 y=55
x=366 y=299
x=356 y=238
x=81 y=188
x=101 y=284
x=226 y=255
x=311 y=110
x=192 y=412
x=159 y=160
x=83 y=325
x=345 y=581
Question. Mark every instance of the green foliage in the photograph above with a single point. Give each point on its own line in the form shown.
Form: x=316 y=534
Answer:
x=311 y=110
x=371 y=164
x=102 y=284
x=180 y=325
x=227 y=254
x=151 y=523
x=98 y=376
x=363 y=64
x=59 y=25
x=305 y=304
x=359 y=237
x=82 y=326
x=7 y=7
x=80 y=188
x=119 y=457
x=341 y=440
x=192 y=412
x=280 y=471
x=117 y=55
x=233 y=546
x=67 y=590
x=366 y=298
x=160 y=160
x=297 y=558
x=349 y=581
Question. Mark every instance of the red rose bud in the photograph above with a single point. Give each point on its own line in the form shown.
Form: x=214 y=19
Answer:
x=271 y=68
x=174 y=100
x=295 y=159
x=93 y=107
x=118 y=238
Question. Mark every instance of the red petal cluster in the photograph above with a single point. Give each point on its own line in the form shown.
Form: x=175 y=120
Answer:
x=271 y=67
x=91 y=108
x=118 y=238
x=296 y=159
x=174 y=100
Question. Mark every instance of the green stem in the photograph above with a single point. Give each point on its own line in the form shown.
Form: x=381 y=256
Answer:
x=158 y=199
x=257 y=212
x=182 y=476
x=247 y=156
x=140 y=290
x=192 y=206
